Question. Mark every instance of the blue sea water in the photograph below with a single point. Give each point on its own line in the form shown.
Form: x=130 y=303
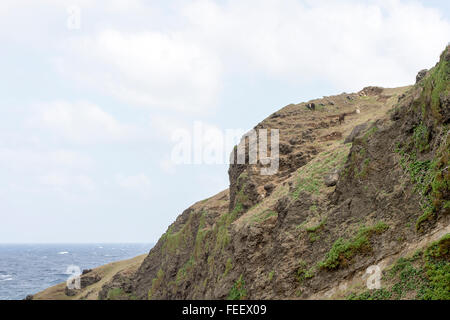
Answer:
x=30 y=268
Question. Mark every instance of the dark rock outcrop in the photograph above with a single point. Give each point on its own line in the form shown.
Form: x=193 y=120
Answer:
x=87 y=278
x=421 y=74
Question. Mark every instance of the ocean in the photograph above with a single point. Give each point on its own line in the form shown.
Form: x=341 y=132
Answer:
x=30 y=268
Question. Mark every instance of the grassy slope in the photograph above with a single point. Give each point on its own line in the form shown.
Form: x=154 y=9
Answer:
x=91 y=292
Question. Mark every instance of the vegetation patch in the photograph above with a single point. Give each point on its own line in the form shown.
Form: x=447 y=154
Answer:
x=426 y=275
x=377 y=294
x=238 y=291
x=342 y=251
x=263 y=216
x=200 y=244
x=184 y=270
x=369 y=133
x=156 y=283
x=313 y=232
x=174 y=240
x=119 y=294
x=359 y=163
x=431 y=178
x=241 y=196
x=437 y=268
x=303 y=272
x=434 y=85
x=421 y=138
x=115 y=294
x=222 y=225
x=228 y=267
x=311 y=175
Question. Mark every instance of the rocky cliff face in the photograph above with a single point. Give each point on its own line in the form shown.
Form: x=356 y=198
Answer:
x=335 y=207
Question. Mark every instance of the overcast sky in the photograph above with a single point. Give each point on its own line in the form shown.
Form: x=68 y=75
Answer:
x=88 y=110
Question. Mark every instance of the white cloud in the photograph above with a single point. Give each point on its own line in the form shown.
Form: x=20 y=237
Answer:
x=28 y=160
x=348 y=43
x=182 y=66
x=80 y=122
x=167 y=165
x=40 y=171
x=135 y=182
x=155 y=69
x=63 y=181
x=165 y=125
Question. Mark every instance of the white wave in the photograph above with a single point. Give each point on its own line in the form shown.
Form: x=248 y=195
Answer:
x=63 y=252
x=5 y=277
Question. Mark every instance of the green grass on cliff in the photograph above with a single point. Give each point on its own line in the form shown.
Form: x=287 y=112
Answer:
x=221 y=228
x=435 y=84
x=156 y=283
x=238 y=291
x=431 y=180
x=310 y=178
x=342 y=251
x=426 y=276
x=313 y=232
x=303 y=272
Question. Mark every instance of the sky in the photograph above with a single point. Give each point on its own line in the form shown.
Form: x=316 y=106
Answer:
x=92 y=92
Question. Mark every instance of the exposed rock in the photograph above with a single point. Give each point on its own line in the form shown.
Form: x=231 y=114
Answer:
x=395 y=115
x=444 y=100
x=281 y=208
x=421 y=74
x=70 y=292
x=296 y=160
x=85 y=271
x=269 y=188
x=294 y=141
x=285 y=148
x=307 y=135
x=234 y=171
x=371 y=91
x=120 y=280
x=357 y=130
x=89 y=279
x=331 y=178
x=311 y=106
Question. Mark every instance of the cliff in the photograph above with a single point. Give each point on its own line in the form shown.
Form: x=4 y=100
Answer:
x=363 y=181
